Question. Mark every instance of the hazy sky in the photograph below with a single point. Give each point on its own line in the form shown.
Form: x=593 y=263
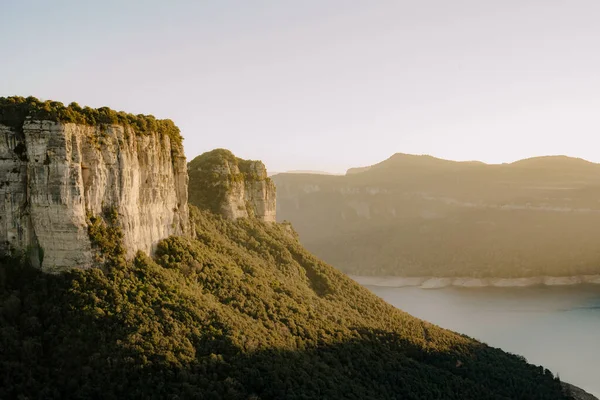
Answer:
x=324 y=84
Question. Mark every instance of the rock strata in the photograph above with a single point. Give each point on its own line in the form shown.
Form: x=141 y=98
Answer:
x=55 y=175
x=232 y=187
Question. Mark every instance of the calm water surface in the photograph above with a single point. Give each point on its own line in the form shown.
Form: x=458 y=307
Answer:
x=558 y=327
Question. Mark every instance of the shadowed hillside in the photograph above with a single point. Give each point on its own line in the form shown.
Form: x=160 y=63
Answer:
x=242 y=311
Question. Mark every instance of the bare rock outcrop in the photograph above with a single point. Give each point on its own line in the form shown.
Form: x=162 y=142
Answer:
x=232 y=187
x=54 y=175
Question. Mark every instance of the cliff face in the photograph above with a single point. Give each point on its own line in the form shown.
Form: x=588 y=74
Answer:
x=232 y=187
x=53 y=175
x=251 y=196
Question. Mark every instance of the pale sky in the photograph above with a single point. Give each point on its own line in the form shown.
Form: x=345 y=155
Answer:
x=324 y=84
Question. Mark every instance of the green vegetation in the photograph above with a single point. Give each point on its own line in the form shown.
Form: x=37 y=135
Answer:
x=242 y=311
x=14 y=110
x=421 y=216
x=106 y=237
x=211 y=178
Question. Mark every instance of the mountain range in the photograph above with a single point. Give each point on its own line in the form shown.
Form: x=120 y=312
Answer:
x=423 y=216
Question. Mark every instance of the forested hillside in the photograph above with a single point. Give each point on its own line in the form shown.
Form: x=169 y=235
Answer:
x=422 y=216
x=242 y=311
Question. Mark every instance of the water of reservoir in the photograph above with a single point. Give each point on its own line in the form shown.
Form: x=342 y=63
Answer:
x=557 y=327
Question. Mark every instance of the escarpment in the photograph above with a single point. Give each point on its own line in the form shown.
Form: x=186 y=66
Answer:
x=419 y=216
x=231 y=187
x=55 y=175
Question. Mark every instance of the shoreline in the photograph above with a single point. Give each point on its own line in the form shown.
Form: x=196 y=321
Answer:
x=430 y=282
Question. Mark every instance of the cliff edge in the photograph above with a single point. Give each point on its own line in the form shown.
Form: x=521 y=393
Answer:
x=59 y=166
x=234 y=188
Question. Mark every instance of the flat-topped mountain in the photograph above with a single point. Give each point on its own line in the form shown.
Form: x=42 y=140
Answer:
x=423 y=216
x=61 y=165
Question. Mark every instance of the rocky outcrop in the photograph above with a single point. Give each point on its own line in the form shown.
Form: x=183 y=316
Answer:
x=232 y=187
x=55 y=175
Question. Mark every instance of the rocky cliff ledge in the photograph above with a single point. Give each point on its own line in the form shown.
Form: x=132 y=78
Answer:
x=55 y=174
x=232 y=187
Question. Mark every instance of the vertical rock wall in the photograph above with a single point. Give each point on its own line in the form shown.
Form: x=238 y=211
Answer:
x=232 y=187
x=52 y=175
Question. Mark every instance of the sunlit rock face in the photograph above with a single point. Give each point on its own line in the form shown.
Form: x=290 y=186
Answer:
x=248 y=197
x=260 y=193
x=54 y=175
x=232 y=187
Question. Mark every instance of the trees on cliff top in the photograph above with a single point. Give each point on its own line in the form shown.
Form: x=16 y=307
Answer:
x=15 y=110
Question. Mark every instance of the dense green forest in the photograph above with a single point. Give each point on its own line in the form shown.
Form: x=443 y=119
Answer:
x=241 y=311
x=14 y=111
x=422 y=216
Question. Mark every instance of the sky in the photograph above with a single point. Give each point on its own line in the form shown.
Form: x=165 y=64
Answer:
x=324 y=84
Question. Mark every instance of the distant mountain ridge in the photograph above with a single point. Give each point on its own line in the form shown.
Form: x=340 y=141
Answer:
x=428 y=161
x=555 y=162
x=417 y=215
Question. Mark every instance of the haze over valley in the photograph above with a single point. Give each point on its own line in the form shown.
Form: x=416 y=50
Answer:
x=419 y=216
x=300 y=200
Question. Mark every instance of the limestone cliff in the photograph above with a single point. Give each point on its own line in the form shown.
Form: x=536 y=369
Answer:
x=232 y=187
x=54 y=175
